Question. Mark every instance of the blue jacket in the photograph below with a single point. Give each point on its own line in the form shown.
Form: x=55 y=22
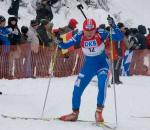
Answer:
x=117 y=35
x=4 y=32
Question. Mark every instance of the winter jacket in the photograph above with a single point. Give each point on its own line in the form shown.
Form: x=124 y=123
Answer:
x=44 y=12
x=118 y=49
x=15 y=32
x=43 y=36
x=13 y=10
x=33 y=39
x=4 y=33
x=141 y=36
x=103 y=34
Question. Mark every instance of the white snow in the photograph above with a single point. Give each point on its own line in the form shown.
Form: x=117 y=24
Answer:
x=26 y=96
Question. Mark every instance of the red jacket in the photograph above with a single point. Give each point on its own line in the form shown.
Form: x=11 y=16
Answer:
x=115 y=50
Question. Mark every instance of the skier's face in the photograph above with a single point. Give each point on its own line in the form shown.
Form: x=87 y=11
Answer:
x=89 y=34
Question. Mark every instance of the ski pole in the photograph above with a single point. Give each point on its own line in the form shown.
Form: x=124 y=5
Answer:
x=51 y=75
x=113 y=75
x=80 y=7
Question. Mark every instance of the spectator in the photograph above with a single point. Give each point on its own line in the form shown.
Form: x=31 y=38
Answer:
x=72 y=25
x=148 y=39
x=45 y=42
x=13 y=9
x=4 y=34
x=141 y=37
x=24 y=36
x=26 y=54
x=118 y=54
x=42 y=31
x=132 y=42
x=15 y=32
x=32 y=36
x=44 y=11
x=34 y=43
x=15 y=51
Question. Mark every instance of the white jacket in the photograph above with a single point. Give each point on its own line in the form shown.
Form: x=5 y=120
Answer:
x=33 y=39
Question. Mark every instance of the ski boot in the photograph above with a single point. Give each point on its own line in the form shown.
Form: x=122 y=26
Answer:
x=98 y=115
x=70 y=117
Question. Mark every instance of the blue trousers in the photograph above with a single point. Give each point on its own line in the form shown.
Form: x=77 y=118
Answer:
x=97 y=65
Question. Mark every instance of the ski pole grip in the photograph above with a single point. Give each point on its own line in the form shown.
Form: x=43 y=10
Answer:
x=80 y=6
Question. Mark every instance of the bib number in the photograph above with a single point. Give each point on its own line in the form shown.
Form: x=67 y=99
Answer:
x=92 y=49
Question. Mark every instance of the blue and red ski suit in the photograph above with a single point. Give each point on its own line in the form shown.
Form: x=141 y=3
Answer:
x=95 y=63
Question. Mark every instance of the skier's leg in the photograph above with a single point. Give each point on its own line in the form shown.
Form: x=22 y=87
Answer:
x=82 y=81
x=80 y=84
x=102 y=88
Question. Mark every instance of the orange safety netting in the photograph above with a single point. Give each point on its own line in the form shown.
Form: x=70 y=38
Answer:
x=140 y=64
x=21 y=62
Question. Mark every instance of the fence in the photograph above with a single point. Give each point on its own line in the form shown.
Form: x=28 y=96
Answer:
x=140 y=64
x=21 y=62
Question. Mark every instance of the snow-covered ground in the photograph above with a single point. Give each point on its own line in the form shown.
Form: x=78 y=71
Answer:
x=25 y=98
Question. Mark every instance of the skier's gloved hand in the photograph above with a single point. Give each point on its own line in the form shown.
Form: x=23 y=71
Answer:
x=110 y=21
x=80 y=6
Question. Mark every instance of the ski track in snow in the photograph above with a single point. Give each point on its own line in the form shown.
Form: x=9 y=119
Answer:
x=29 y=94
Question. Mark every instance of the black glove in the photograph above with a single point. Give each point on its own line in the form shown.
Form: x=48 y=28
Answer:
x=80 y=6
x=110 y=21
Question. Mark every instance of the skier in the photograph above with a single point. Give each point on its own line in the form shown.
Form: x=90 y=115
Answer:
x=91 y=41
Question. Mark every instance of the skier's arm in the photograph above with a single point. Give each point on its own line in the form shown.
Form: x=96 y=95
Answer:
x=74 y=40
x=117 y=35
x=115 y=32
x=103 y=33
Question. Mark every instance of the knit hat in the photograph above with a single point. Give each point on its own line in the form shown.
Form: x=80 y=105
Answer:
x=44 y=22
x=2 y=18
x=24 y=29
x=34 y=23
x=73 y=23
